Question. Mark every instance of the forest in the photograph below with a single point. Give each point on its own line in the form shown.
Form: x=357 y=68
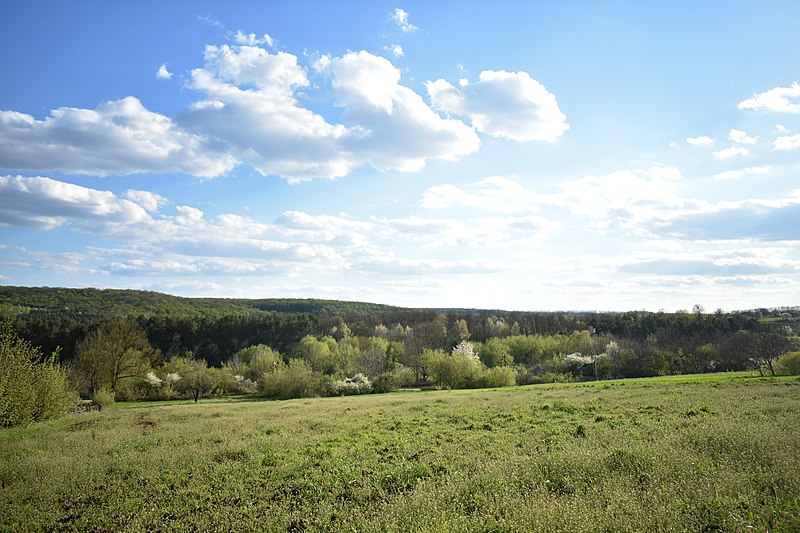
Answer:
x=133 y=345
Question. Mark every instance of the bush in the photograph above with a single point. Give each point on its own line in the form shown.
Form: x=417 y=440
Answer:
x=500 y=376
x=30 y=389
x=788 y=364
x=293 y=380
x=103 y=397
x=404 y=376
x=358 y=384
x=385 y=382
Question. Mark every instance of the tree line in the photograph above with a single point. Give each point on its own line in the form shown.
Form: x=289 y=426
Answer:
x=104 y=352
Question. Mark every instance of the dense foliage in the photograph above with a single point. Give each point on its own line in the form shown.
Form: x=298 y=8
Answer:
x=147 y=345
x=32 y=388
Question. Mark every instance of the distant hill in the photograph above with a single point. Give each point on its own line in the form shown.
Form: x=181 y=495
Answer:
x=99 y=303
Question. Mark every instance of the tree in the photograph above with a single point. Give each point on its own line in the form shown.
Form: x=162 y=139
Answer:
x=373 y=359
x=195 y=377
x=766 y=346
x=253 y=361
x=115 y=351
x=31 y=389
x=455 y=371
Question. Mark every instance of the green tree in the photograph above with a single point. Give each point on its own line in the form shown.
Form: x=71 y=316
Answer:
x=195 y=377
x=31 y=388
x=253 y=361
x=115 y=351
x=454 y=371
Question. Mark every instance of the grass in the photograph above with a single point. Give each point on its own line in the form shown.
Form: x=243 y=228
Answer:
x=696 y=454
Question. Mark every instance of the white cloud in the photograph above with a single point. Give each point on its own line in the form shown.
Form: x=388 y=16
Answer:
x=400 y=17
x=163 y=73
x=148 y=200
x=395 y=49
x=392 y=127
x=251 y=39
x=778 y=100
x=735 y=174
x=700 y=141
x=740 y=136
x=47 y=203
x=251 y=106
x=787 y=142
x=511 y=105
x=119 y=137
x=733 y=151
x=252 y=111
x=473 y=232
x=495 y=193
x=641 y=194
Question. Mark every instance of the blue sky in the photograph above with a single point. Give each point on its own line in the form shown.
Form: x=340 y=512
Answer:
x=514 y=155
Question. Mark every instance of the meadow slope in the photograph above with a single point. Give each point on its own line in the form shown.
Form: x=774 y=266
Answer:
x=696 y=454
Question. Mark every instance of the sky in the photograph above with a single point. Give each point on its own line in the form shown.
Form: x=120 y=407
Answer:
x=576 y=155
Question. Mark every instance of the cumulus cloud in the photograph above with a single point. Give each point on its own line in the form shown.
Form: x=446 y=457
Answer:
x=392 y=127
x=733 y=151
x=787 y=142
x=740 y=136
x=250 y=104
x=510 y=105
x=163 y=73
x=251 y=39
x=46 y=203
x=253 y=110
x=700 y=141
x=148 y=200
x=779 y=100
x=119 y=137
x=400 y=17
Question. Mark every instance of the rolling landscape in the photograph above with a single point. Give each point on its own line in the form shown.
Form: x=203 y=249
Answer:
x=420 y=266
x=663 y=421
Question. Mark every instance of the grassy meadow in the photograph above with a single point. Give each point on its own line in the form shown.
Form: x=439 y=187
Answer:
x=699 y=453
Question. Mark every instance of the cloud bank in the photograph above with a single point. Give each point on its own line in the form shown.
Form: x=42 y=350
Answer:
x=255 y=110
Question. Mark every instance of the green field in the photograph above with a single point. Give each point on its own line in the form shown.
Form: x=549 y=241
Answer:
x=702 y=453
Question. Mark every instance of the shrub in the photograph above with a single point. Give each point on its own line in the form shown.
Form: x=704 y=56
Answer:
x=385 y=382
x=30 y=389
x=500 y=376
x=293 y=380
x=404 y=376
x=358 y=384
x=788 y=364
x=103 y=397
